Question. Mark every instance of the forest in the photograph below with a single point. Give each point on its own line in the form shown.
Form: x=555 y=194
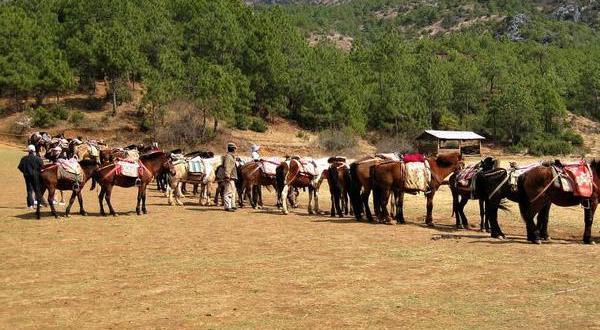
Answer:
x=513 y=78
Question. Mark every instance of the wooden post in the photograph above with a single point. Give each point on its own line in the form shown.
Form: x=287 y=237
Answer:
x=460 y=146
x=479 y=148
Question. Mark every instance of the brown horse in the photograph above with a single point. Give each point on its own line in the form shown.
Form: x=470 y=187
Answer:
x=107 y=178
x=253 y=178
x=359 y=185
x=292 y=174
x=52 y=183
x=391 y=175
x=537 y=193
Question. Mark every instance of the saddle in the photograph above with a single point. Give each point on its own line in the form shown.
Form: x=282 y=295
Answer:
x=196 y=166
x=309 y=166
x=417 y=176
x=388 y=156
x=129 y=169
x=411 y=158
x=269 y=166
x=465 y=178
x=69 y=169
x=515 y=172
x=575 y=177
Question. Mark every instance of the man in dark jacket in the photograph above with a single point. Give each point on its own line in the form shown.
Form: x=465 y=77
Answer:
x=31 y=167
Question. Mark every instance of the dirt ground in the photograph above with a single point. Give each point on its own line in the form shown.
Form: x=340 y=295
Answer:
x=191 y=266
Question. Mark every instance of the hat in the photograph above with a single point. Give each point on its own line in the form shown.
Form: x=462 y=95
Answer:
x=31 y=148
x=231 y=145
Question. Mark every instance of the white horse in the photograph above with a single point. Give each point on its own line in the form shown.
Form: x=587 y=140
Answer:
x=301 y=173
x=204 y=178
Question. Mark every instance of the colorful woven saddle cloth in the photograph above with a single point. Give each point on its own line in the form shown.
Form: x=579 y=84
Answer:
x=574 y=177
x=465 y=176
x=69 y=169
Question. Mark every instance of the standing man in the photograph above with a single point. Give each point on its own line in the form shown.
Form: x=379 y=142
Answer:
x=31 y=166
x=229 y=178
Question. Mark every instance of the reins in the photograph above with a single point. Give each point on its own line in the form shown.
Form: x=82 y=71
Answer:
x=544 y=190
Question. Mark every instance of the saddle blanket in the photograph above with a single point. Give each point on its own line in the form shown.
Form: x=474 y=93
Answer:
x=417 y=176
x=410 y=158
x=94 y=151
x=195 y=165
x=132 y=170
x=577 y=178
x=132 y=155
x=464 y=177
x=269 y=165
x=515 y=172
x=69 y=165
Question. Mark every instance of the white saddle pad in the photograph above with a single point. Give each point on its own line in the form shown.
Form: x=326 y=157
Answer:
x=417 y=177
x=129 y=169
x=196 y=166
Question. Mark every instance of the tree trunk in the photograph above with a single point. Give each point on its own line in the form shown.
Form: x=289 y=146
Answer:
x=216 y=126
x=202 y=129
x=114 y=101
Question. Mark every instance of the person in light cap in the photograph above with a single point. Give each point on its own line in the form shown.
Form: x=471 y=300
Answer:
x=31 y=167
x=229 y=177
x=254 y=152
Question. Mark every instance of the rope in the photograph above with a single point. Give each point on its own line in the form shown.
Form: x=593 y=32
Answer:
x=545 y=188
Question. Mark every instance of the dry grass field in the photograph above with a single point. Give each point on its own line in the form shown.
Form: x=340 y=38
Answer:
x=203 y=268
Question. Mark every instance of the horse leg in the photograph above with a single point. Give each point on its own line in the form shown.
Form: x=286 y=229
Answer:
x=108 y=202
x=71 y=201
x=589 y=220
x=51 y=193
x=80 y=200
x=139 y=200
x=532 y=232
x=101 y=201
x=400 y=207
x=384 y=199
x=316 y=197
x=338 y=200
x=491 y=216
x=484 y=224
x=542 y=222
x=429 y=218
x=144 y=188
x=464 y=224
x=284 y=198
x=310 y=200
x=365 y=200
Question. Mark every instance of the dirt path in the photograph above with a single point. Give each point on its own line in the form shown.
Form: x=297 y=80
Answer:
x=201 y=267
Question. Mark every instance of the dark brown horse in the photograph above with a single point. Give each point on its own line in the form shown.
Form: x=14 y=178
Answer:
x=462 y=193
x=337 y=176
x=537 y=192
x=107 y=178
x=52 y=182
x=391 y=176
x=359 y=185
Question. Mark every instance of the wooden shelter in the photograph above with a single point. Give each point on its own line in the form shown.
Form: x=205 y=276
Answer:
x=432 y=142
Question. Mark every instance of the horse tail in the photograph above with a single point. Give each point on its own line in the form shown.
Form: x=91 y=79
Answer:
x=334 y=181
x=524 y=203
x=377 y=191
x=354 y=187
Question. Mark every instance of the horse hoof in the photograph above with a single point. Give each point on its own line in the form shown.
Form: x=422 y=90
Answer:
x=83 y=213
x=145 y=211
x=430 y=224
x=536 y=241
x=460 y=227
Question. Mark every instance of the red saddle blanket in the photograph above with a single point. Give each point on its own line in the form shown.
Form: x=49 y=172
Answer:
x=413 y=158
x=581 y=178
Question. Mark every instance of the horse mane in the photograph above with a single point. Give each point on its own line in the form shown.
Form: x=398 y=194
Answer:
x=447 y=160
x=152 y=155
x=87 y=162
x=595 y=165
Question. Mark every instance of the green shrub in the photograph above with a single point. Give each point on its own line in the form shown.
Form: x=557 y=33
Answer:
x=146 y=124
x=258 y=125
x=60 y=112
x=42 y=118
x=575 y=138
x=242 y=122
x=76 y=117
x=337 y=140
x=542 y=147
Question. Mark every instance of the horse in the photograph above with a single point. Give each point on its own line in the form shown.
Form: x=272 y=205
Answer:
x=107 y=177
x=337 y=176
x=51 y=182
x=40 y=140
x=537 y=192
x=391 y=175
x=461 y=193
x=179 y=174
x=293 y=174
x=359 y=185
x=253 y=177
